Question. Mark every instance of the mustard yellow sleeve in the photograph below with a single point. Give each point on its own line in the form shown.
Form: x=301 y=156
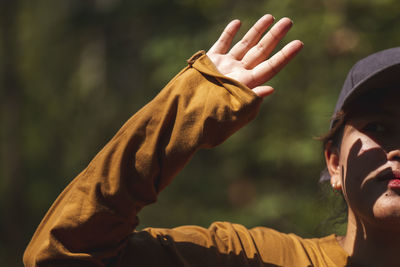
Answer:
x=91 y=221
x=228 y=244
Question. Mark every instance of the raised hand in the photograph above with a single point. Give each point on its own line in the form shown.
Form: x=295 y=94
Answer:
x=248 y=61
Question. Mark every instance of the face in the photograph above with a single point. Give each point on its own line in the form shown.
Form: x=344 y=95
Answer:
x=367 y=166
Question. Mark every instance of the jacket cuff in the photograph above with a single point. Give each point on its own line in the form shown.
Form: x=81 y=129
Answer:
x=201 y=62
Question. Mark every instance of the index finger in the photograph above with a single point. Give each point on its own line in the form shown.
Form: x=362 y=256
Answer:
x=269 y=68
x=223 y=43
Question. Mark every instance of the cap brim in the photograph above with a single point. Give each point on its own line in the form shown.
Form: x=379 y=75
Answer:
x=385 y=78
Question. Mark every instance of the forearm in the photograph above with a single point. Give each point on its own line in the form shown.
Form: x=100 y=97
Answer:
x=89 y=223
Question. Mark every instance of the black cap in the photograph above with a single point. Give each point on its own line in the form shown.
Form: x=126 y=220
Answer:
x=376 y=71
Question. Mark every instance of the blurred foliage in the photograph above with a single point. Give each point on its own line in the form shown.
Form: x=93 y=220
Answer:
x=71 y=72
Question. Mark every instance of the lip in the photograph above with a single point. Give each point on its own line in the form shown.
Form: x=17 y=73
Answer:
x=394 y=184
x=393 y=178
x=396 y=174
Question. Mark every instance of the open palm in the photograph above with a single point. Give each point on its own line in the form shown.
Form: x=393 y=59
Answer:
x=248 y=61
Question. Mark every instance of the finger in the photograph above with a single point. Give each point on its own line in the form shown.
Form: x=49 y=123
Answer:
x=263 y=91
x=269 y=68
x=251 y=37
x=223 y=43
x=267 y=44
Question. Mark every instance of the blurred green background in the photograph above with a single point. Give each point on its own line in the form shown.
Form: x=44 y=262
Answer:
x=71 y=73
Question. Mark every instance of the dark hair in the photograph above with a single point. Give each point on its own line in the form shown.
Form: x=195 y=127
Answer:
x=336 y=132
x=337 y=205
x=334 y=136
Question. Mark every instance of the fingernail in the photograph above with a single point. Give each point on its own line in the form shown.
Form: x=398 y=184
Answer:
x=268 y=16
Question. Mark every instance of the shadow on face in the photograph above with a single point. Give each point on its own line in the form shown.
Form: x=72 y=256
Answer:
x=360 y=164
x=371 y=135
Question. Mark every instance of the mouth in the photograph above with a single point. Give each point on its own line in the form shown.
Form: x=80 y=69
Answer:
x=393 y=178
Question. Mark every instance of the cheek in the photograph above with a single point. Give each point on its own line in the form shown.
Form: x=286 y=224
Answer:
x=367 y=144
x=360 y=163
x=352 y=189
x=360 y=195
x=356 y=163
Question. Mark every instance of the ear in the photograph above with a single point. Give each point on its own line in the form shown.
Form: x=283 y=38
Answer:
x=332 y=163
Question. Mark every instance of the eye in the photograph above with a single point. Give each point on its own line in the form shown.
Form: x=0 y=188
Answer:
x=374 y=127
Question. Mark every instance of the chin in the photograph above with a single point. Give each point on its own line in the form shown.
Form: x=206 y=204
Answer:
x=387 y=209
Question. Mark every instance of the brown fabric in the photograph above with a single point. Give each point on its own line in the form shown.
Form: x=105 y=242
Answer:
x=92 y=222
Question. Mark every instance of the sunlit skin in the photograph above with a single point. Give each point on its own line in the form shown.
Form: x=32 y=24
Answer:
x=249 y=61
x=366 y=167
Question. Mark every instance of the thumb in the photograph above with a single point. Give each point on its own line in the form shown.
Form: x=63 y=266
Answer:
x=263 y=91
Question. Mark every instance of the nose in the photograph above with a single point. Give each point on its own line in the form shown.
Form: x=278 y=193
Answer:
x=393 y=155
